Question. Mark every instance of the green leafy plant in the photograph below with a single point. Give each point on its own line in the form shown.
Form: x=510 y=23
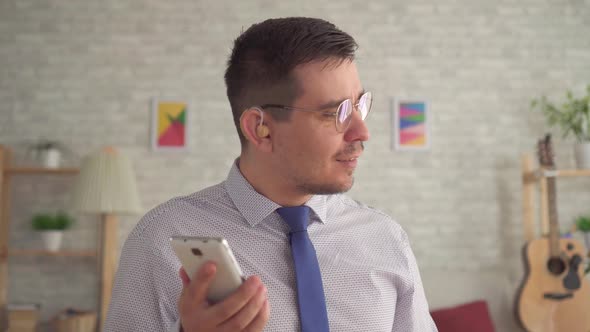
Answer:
x=583 y=223
x=52 y=222
x=573 y=116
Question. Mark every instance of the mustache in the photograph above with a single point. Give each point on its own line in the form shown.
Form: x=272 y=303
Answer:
x=354 y=148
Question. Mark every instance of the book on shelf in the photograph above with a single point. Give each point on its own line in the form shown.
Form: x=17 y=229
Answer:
x=22 y=329
x=23 y=317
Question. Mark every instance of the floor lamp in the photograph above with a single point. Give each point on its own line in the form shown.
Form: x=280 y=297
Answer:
x=106 y=186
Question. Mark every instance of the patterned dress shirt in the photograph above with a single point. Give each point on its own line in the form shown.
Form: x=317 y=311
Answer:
x=370 y=276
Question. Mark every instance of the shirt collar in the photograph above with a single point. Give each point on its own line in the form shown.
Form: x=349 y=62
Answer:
x=256 y=207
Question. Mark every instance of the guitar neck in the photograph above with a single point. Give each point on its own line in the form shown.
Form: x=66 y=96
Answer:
x=553 y=223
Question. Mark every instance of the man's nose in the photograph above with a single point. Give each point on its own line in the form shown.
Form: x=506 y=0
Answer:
x=357 y=130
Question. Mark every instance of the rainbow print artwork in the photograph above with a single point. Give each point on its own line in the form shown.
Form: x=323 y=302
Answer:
x=169 y=130
x=412 y=126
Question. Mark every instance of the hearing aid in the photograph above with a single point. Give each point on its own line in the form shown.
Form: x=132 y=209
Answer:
x=262 y=129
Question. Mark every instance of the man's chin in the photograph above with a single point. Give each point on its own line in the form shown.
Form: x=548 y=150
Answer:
x=327 y=188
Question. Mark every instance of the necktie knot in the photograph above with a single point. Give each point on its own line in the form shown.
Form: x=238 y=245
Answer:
x=297 y=217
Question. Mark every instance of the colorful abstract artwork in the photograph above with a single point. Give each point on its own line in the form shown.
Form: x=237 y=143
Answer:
x=169 y=125
x=411 y=125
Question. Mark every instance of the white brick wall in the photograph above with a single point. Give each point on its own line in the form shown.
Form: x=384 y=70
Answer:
x=83 y=72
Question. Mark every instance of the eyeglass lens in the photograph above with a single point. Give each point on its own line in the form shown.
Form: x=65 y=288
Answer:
x=345 y=109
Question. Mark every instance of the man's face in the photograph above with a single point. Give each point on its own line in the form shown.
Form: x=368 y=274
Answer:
x=310 y=154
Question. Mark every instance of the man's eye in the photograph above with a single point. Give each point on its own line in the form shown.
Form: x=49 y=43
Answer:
x=329 y=114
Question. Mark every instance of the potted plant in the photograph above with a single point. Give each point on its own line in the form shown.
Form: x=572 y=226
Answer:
x=51 y=227
x=573 y=117
x=583 y=225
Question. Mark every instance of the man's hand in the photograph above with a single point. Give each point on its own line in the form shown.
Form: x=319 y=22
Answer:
x=246 y=309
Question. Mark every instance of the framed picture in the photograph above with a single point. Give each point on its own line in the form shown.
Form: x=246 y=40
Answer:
x=411 y=124
x=170 y=125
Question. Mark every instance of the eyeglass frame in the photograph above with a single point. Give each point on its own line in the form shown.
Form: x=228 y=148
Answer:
x=333 y=114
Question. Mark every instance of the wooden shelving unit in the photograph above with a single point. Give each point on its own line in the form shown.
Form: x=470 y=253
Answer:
x=531 y=176
x=40 y=171
x=7 y=171
x=61 y=253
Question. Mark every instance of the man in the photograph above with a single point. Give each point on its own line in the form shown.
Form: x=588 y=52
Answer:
x=299 y=109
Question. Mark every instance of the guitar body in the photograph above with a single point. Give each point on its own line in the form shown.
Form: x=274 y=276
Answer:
x=551 y=301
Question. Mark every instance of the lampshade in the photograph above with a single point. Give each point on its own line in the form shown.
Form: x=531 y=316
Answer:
x=106 y=184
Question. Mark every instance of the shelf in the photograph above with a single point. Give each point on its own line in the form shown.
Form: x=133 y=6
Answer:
x=40 y=170
x=61 y=253
x=537 y=174
x=573 y=172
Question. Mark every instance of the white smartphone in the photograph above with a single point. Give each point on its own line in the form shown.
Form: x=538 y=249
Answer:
x=195 y=251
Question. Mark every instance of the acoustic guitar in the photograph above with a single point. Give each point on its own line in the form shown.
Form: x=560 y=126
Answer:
x=554 y=296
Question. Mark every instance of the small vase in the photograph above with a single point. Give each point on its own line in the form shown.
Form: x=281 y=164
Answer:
x=52 y=240
x=51 y=158
x=582 y=155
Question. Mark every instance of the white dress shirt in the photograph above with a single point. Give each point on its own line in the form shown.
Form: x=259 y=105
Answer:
x=370 y=276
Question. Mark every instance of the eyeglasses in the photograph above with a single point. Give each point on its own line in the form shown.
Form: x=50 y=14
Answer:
x=343 y=112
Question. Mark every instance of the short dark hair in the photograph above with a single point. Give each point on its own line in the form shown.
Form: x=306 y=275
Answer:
x=259 y=69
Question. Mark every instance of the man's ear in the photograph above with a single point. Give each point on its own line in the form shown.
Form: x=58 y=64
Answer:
x=255 y=129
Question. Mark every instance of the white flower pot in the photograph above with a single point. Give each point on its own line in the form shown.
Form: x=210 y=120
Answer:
x=52 y=239
x=51 y=158
x=582 y=155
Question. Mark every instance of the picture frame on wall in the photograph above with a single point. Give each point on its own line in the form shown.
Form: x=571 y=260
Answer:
x=411 y=125
x=170 y=125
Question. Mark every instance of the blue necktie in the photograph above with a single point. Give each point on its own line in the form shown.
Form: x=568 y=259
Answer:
x=310 y=292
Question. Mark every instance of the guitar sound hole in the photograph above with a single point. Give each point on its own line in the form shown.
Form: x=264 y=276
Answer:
x=556 y=266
